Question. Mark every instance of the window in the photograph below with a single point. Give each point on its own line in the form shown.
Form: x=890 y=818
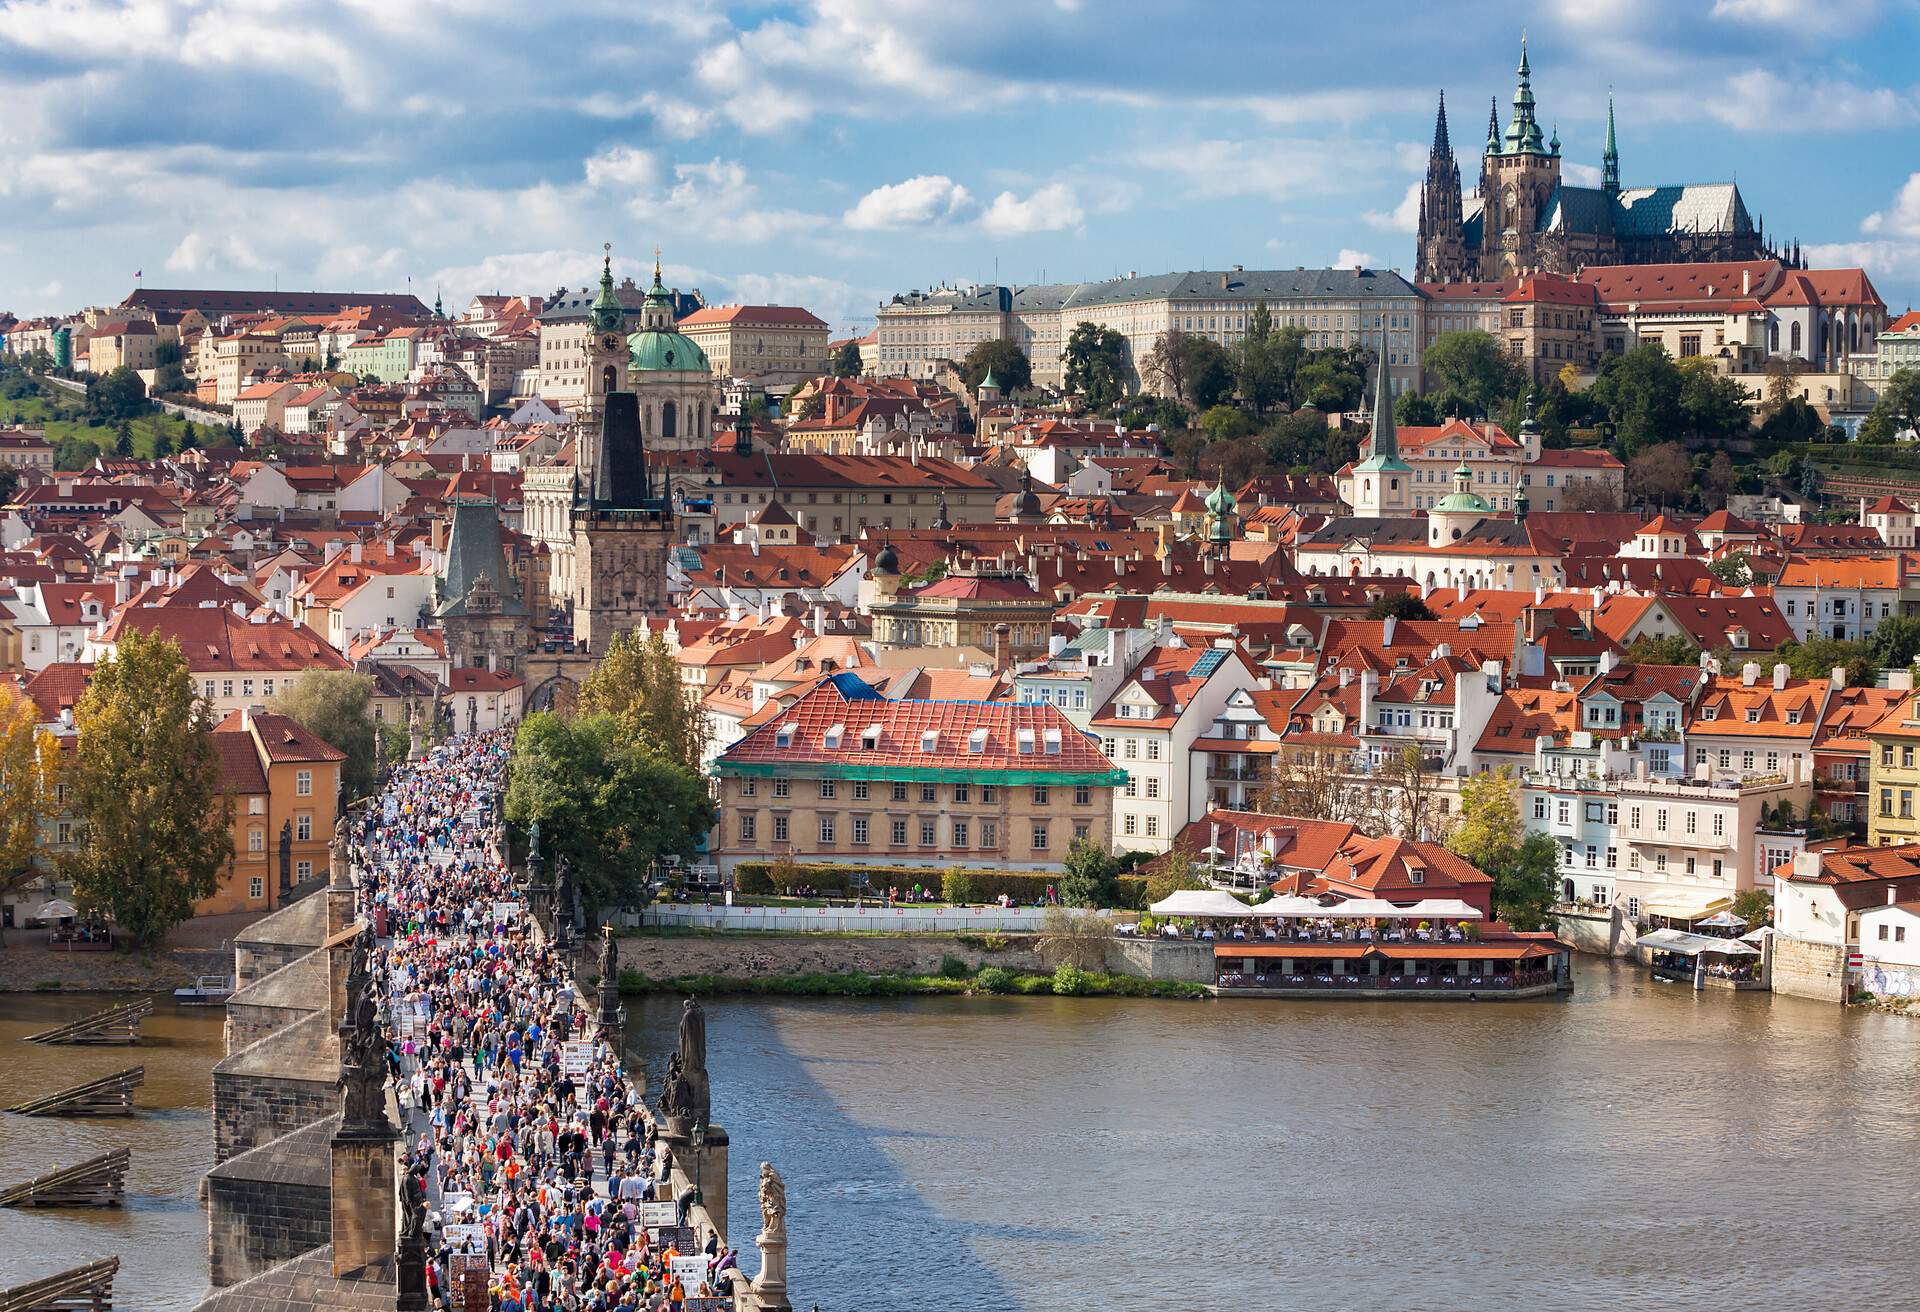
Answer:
x=303 y=826
x=899 y=792
x=781 y=787
x=898 y=833
x=1613 y=857
x=1593 y=857
x=989 y=833
x=826 y=831
x=1040 y=794
x=828 y=788
x=1561 y=812
x=962 y=792
x=1539 y=808
x=929 y=833
x=1719 y=826
x=1129 y=824
x=1633 y=818
x=1130 y=749
x=1692 y=821
x=1039 y=838
x=1082 y=795
x=1153 y=826
x=959 y=833
x=1906 y=758
x=749 y=787
x=929 y=793
x=780 y=829
x=1153 y=749
x=1153 y=788
x=1716 y=867
x=303 y=783
x=302 y=871
x=1883 y=934
x=989 y=793
x=256 y=887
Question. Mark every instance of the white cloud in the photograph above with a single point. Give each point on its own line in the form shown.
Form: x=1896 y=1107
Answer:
x=1761 y=100
x=1405 y=217
x=720 y=201
x=622 y=166
x=1902 y=218
x=839 y=303
x=1581 y=175
x=1348 y=257
x=917 y=202
x=1050 y=209
x=198 y=253
x=1277 y=169
x=1798 y=15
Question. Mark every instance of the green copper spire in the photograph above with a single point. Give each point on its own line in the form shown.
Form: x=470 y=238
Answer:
x=1553 y=145
x=607 y=316
x=659 y=289
x=1610 y=161
x=1386 y=440
x=1523 y=134
x=1493 y=126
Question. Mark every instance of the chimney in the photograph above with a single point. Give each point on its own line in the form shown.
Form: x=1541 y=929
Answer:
x=1780 y=673
x=819 y=621
x=1746 y=282
x=1002 y=646
x=1749 y=673
x=1386 y=631
x=355 y=553
x=1346 y=675
x=1369 y=684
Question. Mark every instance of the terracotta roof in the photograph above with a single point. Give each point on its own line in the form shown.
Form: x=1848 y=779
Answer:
x=782 y=316
x=1399 y=870
x=215 y=640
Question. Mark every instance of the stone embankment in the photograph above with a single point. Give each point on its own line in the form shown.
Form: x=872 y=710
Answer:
x=747 y=955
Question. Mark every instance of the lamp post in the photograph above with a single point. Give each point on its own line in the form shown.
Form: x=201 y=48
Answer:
x=698 y=1138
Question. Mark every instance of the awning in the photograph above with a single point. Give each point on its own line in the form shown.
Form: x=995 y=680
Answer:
x=1724 y=920
x=1695 y=945
x=1684 y=904
x=1288 y=904
x=55 y=910
x=1200 y=902
x=1499 y=950
x=1368 y=908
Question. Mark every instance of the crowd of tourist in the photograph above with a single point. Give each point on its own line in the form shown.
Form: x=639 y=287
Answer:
x=539 y=1163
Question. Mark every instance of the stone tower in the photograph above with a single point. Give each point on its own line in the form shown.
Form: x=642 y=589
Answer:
x=1522 y=175
x=607 y=361
x=622 y=531
x=476 y=600
x=1442 y=255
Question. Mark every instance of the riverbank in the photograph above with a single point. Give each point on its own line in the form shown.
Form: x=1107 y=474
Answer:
x=1065 y=981
x=202 y=946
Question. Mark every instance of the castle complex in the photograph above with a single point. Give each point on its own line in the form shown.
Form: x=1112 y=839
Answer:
x=1525 y=219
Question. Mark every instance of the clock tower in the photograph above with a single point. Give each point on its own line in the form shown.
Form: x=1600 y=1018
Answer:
x=622 y=529
x=608 y=360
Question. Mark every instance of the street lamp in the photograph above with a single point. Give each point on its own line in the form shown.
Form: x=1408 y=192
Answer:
x=698 y=1137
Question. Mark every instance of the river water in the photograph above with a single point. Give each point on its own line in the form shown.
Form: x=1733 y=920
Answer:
x=1634 y=1146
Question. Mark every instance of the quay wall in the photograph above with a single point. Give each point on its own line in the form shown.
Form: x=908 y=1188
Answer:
x=251 y=1109
x=1809 y=970
x=269 y=1204
x=664 y=957
x=1597 y=931
x=1162 y=959
x=843 y=920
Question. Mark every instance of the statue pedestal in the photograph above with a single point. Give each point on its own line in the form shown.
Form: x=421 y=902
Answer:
x=410 y=1276
x=708 y=1166
x=364 y=1207
x=770 y=1286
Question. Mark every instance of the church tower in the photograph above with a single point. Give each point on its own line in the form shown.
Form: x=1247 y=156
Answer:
x=607 y=364
x=1442 y=253
x=1610 y=161
x=622 y=531
x=1524 y=173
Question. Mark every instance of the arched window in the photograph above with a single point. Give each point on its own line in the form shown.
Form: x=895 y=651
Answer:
x=1773 y=337
x=1796 y=339
x=607 y=377
x=668 y=418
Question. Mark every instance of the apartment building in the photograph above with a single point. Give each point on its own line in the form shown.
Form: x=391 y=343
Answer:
x=846 y=776
x=284 y=783
x=775 y=345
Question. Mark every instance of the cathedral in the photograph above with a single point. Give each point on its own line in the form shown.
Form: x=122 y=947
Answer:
x=1525 y=219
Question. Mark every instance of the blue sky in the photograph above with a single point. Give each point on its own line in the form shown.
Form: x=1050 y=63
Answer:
x=830 y=153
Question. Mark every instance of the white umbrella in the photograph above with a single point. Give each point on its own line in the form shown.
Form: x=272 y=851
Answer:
x=1199 y=902
x=55 y=910
x=1724 y=920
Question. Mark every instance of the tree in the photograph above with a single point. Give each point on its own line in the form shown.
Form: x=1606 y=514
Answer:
x=337 y=706
x=1713 y=407
x=1096 y=360
x=1006 y=362
x=1471 y=374
x=9 y=483
x=1090 y=875
x=1400 y=605
x=1265 y=360
x=1164 y=368
x=1169 y=875
x=1412 y=410
x=123 y=440
x=1894 y=642
x=1406 y=797
x=1491 y=835
x=118 y=395
x=637 y=684
x=1332 y=379
x=1716 y=480
x=1661 y=474
x=1898 y=409
x=170 y=378
x=1754 y=905
x=1590 y=496
x=1818 y=658
x=1209 y=372
x=1781 y=371
x=189 y=436
x=1671 y=649
x=1639 y=393
x=1297 y=440
x=1794 y=421
x=605 y=802
x=145 y=783
x=846 y=360
x=29 y=768
x=1734 y=570
x=1225 y=423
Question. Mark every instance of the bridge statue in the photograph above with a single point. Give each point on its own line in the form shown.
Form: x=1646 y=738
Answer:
x=770 y=1285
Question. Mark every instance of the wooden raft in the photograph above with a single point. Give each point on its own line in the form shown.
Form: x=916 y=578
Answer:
x=110 y=1095
x=86 y=1288
x=97 y=1182
x=114 y=1025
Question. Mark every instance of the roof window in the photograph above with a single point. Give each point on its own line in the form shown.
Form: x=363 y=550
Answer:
x=783 y=736
x=977 y=741
x=930 y=741
x=834 y=735
x=1025 y=737
x=870 y=737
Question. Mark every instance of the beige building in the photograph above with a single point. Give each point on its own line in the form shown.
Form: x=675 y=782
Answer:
x=134 y=343
x=848 y=777
x=228 y=361
x=978 y=604
x=778 y=345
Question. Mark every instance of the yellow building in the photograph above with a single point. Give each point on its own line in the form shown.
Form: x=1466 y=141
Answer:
x=1893 y=780
x=774 y=344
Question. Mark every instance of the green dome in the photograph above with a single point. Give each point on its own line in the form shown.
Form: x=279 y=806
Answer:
x=1464 y=502
x=663 y=349
x=1220 y=501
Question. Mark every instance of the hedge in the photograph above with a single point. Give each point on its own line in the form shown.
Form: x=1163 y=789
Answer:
x=755 y=878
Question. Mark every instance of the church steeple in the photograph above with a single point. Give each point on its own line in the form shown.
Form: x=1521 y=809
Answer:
x=1441 y=248
x=1523 y=134
x=1441 y=146
x=607 y=315
x=1610 y=161
x=1493 y=125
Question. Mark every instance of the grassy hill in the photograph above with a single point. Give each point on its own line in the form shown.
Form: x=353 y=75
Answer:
x=76 y=438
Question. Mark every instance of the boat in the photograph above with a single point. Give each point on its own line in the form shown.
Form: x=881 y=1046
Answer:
x=207 y=991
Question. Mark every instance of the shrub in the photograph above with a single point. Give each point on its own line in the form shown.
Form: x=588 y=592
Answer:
x=956 y=886
x=993 y=979
x=762 y=878
x=954 y=968
x=1069 y=981
x=1074 y=938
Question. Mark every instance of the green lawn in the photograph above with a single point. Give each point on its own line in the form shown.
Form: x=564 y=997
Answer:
x=59 y=413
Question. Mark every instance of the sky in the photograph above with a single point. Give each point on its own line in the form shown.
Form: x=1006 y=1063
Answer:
x=830 y=154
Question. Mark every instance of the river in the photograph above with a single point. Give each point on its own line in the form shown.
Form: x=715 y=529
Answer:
x=1634 y=1146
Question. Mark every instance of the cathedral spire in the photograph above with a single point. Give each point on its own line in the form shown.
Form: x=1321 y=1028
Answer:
x=1441 y=145
x=1386 y=440
x=607 y=315
x=1493 y=125
x=1523 y=134
x=1610 y=161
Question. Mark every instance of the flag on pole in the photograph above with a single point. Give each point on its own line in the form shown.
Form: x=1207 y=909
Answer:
x=139 y=273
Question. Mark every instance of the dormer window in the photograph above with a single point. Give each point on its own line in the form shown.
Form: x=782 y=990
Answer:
x=1793 y=717
x=870 y=738
x=1025 y=739
x=1052 y=742
x=834 y=735
x=930 y=741
x=977 y=741
x=1753 y=715
x=1709 y=712
x=783 y=736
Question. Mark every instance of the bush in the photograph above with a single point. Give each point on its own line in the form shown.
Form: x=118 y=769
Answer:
x=1074 y=938
x=953 y=968
x=759 y=878
x=993 y=979
x=956 y=886
x=1069 y=981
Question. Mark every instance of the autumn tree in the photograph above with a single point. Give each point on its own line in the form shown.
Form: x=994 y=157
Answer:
x=337 y=706
x=1490 y=834
x=637 y=684
x=1661 y=474
x=29 y=767
x=1405 y=798
x=1311 y=776
x=145 y=784
x=1590 y=496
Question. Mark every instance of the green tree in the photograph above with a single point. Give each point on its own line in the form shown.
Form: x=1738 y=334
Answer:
x=1400 y=605
x=1265 y=360
x=1794 y=421
x=1209 y=373
x=1096 y=360
x=1734 y=570
x=612 y=807
x=189 y=436
x=1090 y=875
x=1006 y=362
x=1669 y=650
x=1225 y=423
x=1897 y=411
x=846 y=360
x=1491 y=836
x=29 y=768
x=1818 y=658
x=1471 y=374
x=1169 y=875
x=1297 y=440
x=145 y=782
x=123 y=439
x=1894 y=642
x=1638 y=391
x=337 y=705
x=1754 y=905
x=1412 y=410
x=9 y=483
x=637 y=684
x=1331 y=380
x=1713 y=406
x=118 y=395
x=170 y=378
